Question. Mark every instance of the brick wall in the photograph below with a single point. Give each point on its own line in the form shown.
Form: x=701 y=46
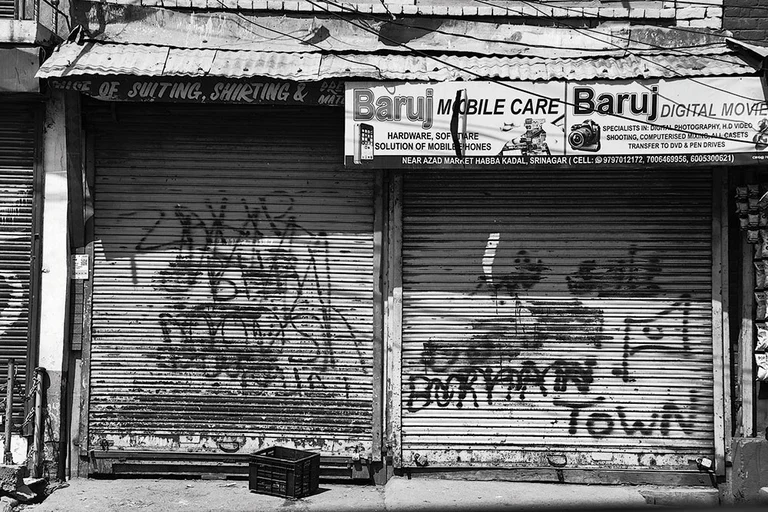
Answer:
x=747 y=19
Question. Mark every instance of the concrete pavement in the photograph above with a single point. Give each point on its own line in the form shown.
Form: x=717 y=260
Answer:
x=400 y=494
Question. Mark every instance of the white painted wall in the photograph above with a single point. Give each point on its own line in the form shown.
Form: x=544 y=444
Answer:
x=54 y=279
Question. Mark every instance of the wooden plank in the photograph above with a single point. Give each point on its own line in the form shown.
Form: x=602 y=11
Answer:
x=571 y=476
x=36 y=257
x=379 y=214
x=223 y=465
x=390 y=384
x=718 y=332
x=747 y=340
x=81 y=407
x=75 y=434
x=74 y=144
x=725 y=275
x=761 y=409
x=394 y=320
x=387 y=286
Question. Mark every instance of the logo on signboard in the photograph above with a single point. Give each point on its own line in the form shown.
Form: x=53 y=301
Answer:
x=363 y=142
x=532 y=142
x=585 y=136
x=635 y=104
x=366 y=106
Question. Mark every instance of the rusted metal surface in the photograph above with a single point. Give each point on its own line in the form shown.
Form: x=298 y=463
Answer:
x=146 y=60
x=165 y=42
x=233 y=283
x=557 y=319
x=74 y=60
x=329 y=33
x=17 y=150
x=454 y=67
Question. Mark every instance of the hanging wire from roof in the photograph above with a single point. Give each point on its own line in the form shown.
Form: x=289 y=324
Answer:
x=519 y=89
x=582 y=30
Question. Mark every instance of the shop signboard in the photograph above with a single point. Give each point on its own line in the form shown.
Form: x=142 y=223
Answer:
x=720 y=121
x=206 y=89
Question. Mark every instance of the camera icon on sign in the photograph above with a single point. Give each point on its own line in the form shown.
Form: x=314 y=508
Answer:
x=585 y=136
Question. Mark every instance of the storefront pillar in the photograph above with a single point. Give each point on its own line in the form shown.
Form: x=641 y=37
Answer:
x=54 y=282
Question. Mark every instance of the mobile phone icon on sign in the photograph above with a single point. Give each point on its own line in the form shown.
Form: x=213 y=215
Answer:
x=363 y=142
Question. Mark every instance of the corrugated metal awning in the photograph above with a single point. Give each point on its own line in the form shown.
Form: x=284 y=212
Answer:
x=98 y=58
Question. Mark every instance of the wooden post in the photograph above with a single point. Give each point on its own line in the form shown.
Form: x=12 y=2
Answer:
x=747 y=341
x=37 y=445
x=80 y=415
x=378 y=318
x=394 y=321
x=719 y=319
x=8 y=459
x=725 y=339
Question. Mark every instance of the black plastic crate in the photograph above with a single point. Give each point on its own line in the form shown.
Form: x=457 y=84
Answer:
x=285 y=472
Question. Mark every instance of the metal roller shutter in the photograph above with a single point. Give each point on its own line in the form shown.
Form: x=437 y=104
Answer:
x=7 y=8
x=17 y=161
x=555 y=318
x=232 y=291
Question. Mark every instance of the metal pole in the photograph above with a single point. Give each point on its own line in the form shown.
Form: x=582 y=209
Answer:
x=55 y=4
x=37 y=454
x=8 y=458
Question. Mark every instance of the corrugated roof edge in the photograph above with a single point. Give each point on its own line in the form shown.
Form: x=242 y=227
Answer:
x=757 y=52
x=99 y=58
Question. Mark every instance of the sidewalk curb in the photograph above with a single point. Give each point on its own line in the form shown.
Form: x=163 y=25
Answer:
x=693 y=497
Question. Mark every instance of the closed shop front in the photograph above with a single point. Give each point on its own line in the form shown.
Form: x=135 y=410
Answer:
x=6 y=8
x=18 y=143
x=558 y=319
x=232 y=282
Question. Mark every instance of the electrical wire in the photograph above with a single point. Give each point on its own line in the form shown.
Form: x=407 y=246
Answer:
x=679 y=29
x=355 y=11
x=352 y=10
x=542 y=3
x=484 y=40
x=476 y=75
x=672 y=70
x=512 y=87
x=580 y=11
x=302 y=41
x=290 y=36
x=678 y=49
x=616 y=36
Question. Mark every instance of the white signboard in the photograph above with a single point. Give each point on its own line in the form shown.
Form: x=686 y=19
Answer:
x=480 y=124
